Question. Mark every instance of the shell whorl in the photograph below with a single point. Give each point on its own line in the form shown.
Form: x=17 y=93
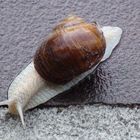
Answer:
x=72 y=48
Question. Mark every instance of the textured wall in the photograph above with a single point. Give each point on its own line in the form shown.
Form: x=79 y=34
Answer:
x=24 y=24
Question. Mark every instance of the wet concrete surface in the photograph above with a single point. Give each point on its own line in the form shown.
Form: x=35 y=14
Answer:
x=24 y=24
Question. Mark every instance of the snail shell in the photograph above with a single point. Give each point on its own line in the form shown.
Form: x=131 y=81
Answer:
x=73 y=47
x=72 y=51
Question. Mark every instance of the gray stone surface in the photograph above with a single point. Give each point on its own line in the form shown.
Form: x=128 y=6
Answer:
x=23 y=26
x=73 y=123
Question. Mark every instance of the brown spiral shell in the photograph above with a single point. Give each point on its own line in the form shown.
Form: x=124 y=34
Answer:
x=72 y=48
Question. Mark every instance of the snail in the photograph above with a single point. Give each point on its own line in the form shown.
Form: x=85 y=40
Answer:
x=71 y=51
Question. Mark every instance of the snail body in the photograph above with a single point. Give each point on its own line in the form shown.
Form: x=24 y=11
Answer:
x=72 y=51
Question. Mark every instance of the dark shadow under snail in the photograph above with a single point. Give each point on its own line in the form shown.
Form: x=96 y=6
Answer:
x=71 y=52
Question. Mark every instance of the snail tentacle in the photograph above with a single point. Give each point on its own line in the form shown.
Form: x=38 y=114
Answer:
x=20 y=111
x=14 y=107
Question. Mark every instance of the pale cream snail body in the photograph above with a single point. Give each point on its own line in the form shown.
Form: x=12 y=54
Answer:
x=72 y=51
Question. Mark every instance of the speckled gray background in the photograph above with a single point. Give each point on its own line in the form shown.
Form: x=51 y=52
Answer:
x=23 y=26
x=25 y=23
